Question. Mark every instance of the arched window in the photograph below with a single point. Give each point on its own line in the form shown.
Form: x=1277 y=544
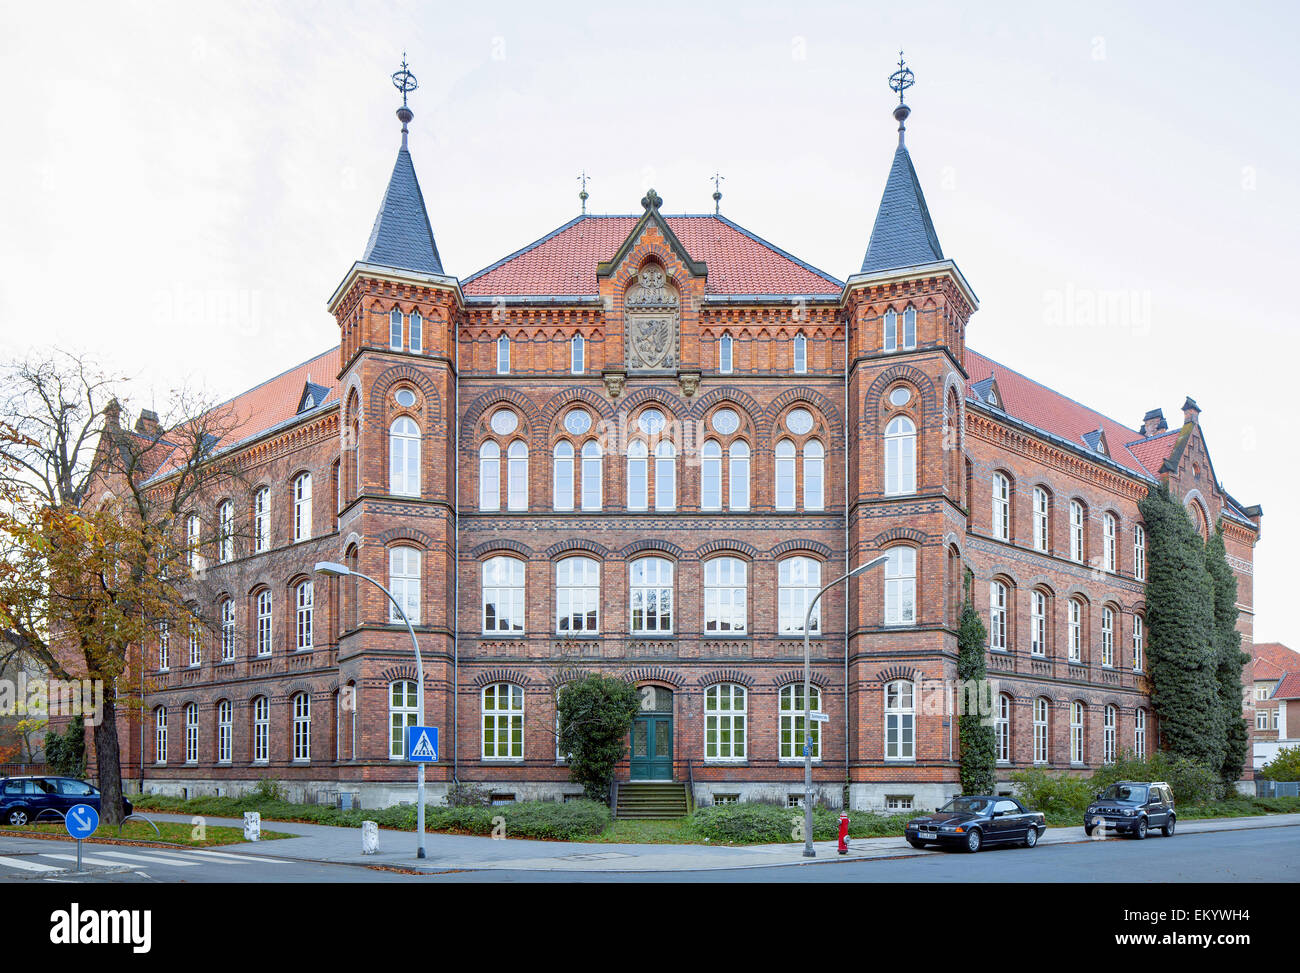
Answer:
x=1041 y=737
x=191 y=733
x=798 y=581
x=900 y=586
x=164 y=644
x=1002 y=729
x=1001 y=523
x=417 y=332
x=998 y=604
x=890 y=326
x=302 y=507
x=403 y=708
x=593 y=475
x=225 y=531
x=1074 y=630
x=785 y=475
x=793 y=712
x=1108 y=735
x=192 y=541
x=301 y=727
x=1109 y=530
x=160 y=735
x=900 y=456
x=909 y=327
x=725 y=723
x=1140 y=733
x=264 y=622
x=1076 y=733
x=261 y=729
x=503 y=595
x=503 y=355
x=725 y=590
x=517 y=468
x=1042 y=520
x=724 y=354
x=1139 y=552
x=1108 y=637
x=1076 y=531
x=900 y=721
x=404 y=457
x=665 y=476
x=814 y=467
x=800 y=354
x=638 y=475
x=395 y=329
x=227 y=630
x=562 y=476
x=1037 y=623
x=503 y=722
x=1139 y=646
x=225 y=713
x=262 y=519
x=711 y=476
x=577 y=355
x=195 y=644
x=303 y=615
x=577 y=595
x=652 y=595
x=738 y=475
x=404 y=583
x=489 y=476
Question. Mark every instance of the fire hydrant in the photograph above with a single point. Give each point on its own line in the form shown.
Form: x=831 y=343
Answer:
x=844 y=832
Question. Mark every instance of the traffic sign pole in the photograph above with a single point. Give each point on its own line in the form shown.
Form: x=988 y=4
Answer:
x=80 y=822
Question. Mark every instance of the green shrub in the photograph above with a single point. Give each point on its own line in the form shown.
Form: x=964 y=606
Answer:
x=468 y=795
x=1056 y=795
x=762 y=822
x=1284 y=766
x=1192 y=782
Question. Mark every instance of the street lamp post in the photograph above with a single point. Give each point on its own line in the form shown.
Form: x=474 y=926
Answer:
x=333 y=570
x=808 y=851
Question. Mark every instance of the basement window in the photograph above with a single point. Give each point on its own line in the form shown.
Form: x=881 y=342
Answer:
x=898 y=802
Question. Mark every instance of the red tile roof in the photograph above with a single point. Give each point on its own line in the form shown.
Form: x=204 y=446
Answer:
x=1152 y=452
x=1288 y=688
x=564 y=261
x=1272 y=660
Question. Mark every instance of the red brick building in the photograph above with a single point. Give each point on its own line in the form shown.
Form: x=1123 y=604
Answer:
x=638 y=446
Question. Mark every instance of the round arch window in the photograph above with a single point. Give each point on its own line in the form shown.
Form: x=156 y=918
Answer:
x=651 y=421
x=726 y=421
x=405 y=398
x=799 y=422
x=577 y=422
x=504 y=422
x=900 y=397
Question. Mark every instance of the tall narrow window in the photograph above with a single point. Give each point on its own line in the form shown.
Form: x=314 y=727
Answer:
x=711 y=476
x=196 y=645
x=192 y=541
x=225 y=712
x=1107 y=637
x=652 y=595
x=800 y=354
x=909 y=327
x=262 y=519
x=225 y=531
x=900 y=586
x=900 y=721
x=503 y=722
x=1074 y=627
x=1140 y=733
x=785 y=475
x=395 y=329
x=738 y=476
x=164 y=644
x=577 y=596
x=562 y=475
x=638 y=475
x=1076 y=531
x=593 y=476
x=998 y=616
x=900 y=456
x=577 y=355
x=303 y=615
x=725 y=730
x=1002 y=729
x=503 y=595
x=417 y=332
x=725 y=595
x=1001 y=507
x=404 y=583
x=724 y=354
x=891 y=330
x=1109 y=720
x=403 y=709
x=302 y=507
x=503 y=355
x=1042 y=523
x=228 y=630
x=1076 y=733
x=1037 y=623
x=814 y=479
x=264 y=622
x=191 y=733
x=1139 y=646
x=1109 y=529
x=798 y=581
x=517 y=470
x=404 y=457
x=489 y=476
x=665 y=476
x=1139 y=552
x=261 y=729
x=1040 y=731
x=302 y=727
x=160 y=735
x=793 y=711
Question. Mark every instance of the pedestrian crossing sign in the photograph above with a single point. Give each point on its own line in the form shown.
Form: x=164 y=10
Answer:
x=422 y=744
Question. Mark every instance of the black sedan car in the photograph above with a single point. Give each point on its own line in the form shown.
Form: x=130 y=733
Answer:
x=973 y=822
x=23 y=799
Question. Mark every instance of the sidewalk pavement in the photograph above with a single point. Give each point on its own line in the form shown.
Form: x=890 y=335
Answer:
x=323 y=843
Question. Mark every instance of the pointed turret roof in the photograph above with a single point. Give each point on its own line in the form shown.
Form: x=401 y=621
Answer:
x=402 y=237
x=903 y=235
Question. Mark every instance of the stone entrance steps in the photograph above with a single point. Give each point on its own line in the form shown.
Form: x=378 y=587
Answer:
x=660 y=801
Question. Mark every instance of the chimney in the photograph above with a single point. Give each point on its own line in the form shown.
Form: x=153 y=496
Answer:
x=1153 y=423
x=147 y=424
x=112 y=414
x=1191 y=411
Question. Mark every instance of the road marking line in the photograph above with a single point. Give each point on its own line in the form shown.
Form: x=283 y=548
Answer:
x=238 y=858
x=85 y=859
x=29 y=866
x=136 y=856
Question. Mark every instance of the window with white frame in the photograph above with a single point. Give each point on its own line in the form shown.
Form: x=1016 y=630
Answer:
x=1001 y=507
x=489 y=476
x=403 y=709
x=192 y=541
x=261 y=729
x=191 y=733
x=225 y=531
x=160 y=735
x=1076 y=531
x=1108 y=637
x=909 y=327
x=665 y=476
x=303 y=627
x=517 y=476
x=1041 y=738
x=1139 y=645
x=638 y=475
x=264 y=622
x=792 y=714
x=725 y=591
x=1261 y=720
x=195 y=645
x=1002 y=729
x=593 y=476
x=652 y=595
x=228 y=630
x=814 y=479
x=404 y=583
x=998 y=599
x=503 y=595
x=225 y=722
x=1140 y=733
x=1109 y=719
x=577 y=355
x=1109 y=529
x=738 y=475
x=395 y=329
x=785 y=477
x=262 y=519
x=562 y=475
x=1037 y=623
x=900 y=721
x=724 y=354
x=900 y=586
x=577 y=596
x=503 y=722
x=1074 y=630
x=1042 y=521
x=711 y=476
x=725 y=723
x=1076 y=733
x=302 y=507
x=900 y=456
x=800 y=354
x=301 y=727
x=503 y=355
x=890 y=326
x=899 y=802
x=1139 y=552
x=164 y=644
x=416 y=326
x=404 y=457
x=798 y=581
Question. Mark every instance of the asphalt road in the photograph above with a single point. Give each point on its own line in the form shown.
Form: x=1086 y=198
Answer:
x=1255 y=855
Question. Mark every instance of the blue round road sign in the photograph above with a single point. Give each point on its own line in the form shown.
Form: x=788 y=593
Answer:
x=82 y=820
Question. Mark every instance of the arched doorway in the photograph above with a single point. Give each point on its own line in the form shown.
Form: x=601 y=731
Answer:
x=652 y=735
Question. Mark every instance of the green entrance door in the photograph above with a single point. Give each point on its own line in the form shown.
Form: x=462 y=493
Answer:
x=652 y=736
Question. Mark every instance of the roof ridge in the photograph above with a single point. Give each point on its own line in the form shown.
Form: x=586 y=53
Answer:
x=536 y=243
x=274 y=378
x=772 y=246
x=1151 y=439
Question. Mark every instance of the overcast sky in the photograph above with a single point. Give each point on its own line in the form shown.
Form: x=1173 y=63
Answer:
x=183 y=185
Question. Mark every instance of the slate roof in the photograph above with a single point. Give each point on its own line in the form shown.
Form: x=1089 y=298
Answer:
x=402 y=237
x=904 y=234
x=563 y=263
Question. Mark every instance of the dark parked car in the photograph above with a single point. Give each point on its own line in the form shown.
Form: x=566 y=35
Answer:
x=1130 y=807
x=22 y=799
x=973 y=822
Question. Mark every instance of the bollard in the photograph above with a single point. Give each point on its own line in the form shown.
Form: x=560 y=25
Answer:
x=369 y=837
x=252 y=826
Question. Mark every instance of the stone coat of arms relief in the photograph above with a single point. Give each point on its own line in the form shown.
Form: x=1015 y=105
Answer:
x=652 y=330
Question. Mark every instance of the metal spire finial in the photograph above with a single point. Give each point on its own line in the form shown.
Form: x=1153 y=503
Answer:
x=717 y=194
x=900 y=81
x=584 y=195
x=404 y=81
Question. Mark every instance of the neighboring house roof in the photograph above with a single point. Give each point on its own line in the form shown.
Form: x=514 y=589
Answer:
x=1272 y=660
x=1153 y=452
x=1288 y=688
x=563 y=263
x=402 y=237
x=903 y=235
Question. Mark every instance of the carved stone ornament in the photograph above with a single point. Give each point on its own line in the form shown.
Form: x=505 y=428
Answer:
x=651 y=341
x=651 y=289
x=689 y=382
x=614 y=383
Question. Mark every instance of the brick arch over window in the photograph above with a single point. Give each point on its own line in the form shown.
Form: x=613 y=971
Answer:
x=899 y=373
x=513 y=676
x=501 y=545
x=560 y=403
x=398 y=673
x=893 y=673
x=901 y=534
x=728 y=394
x=725 y=676
x=652 y=547
x=727 y=547
x=294 y=688
x=801 y=547
x=674 y=405
x=410 y=375
x=1077 y=591
x=412 y=534
x=562 y=677
x=501 y=396
x=795 y=677
x=655 y=674
x=806 y=396
x=575 y=545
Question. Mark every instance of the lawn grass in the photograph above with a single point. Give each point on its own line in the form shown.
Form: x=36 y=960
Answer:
x=170 y=833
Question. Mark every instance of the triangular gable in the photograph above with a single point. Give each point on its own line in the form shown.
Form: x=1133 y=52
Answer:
x=651 y=201
x=312 y=396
